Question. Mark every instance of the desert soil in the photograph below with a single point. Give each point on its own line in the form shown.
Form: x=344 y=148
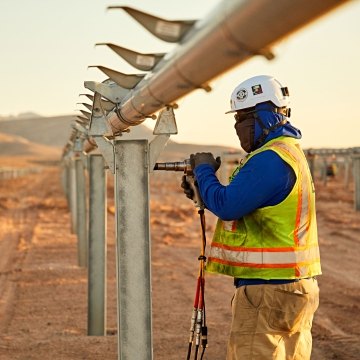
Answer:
x=43 y=292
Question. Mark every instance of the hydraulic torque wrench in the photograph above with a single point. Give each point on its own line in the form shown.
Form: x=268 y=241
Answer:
x=185 y=167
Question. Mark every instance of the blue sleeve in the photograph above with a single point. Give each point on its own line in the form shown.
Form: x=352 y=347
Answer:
x=264 y=180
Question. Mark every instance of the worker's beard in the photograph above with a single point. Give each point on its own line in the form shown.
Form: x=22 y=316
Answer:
x=245 y=131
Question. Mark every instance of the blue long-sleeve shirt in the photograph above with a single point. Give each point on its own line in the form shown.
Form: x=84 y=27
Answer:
x=264 y=180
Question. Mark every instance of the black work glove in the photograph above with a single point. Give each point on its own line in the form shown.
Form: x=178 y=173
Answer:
x=188 y=190
x=205 y=158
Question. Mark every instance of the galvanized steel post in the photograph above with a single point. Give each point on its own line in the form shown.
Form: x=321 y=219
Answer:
x=97 y=247
x=347 y=160
x=356 y=170
x=133 y=250
x=63 y=179
x=81 y=215
x=66 y=180
x=72 y=195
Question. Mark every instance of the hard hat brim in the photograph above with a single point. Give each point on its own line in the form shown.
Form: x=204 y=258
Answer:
x=230 y=111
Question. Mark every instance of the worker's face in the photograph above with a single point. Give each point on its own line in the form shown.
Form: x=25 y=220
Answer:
x=245 y=130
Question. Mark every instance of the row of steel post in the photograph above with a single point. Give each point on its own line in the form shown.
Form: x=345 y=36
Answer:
x=89 y=224
x=346 y=169
x=7 y=173
x=131 y=191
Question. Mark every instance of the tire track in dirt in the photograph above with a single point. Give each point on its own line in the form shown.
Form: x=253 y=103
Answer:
x=48 y=317
x=18 y=218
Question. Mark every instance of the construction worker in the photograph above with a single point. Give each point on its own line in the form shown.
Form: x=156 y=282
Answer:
x=266 y=235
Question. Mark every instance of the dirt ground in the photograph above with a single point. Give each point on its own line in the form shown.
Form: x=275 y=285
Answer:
x=43 y=292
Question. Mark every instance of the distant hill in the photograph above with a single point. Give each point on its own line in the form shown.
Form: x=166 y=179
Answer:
x=51 y=131
x=54 y=132
x=12 y=145
x=25 y=115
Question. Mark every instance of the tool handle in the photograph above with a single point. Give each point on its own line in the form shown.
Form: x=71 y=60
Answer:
x=197 y=197
x=201 y=295
x=197 y=293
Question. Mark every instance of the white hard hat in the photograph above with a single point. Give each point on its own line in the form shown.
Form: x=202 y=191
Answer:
x=258 y=89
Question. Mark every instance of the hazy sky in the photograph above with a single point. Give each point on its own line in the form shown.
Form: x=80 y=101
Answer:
x=46 y=46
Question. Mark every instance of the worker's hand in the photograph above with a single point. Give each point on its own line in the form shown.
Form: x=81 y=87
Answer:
x=188 y=189
x=205 y=158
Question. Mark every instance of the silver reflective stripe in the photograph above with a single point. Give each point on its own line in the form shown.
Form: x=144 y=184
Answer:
x=302 y=230
x=265 y=257
x=304 y=189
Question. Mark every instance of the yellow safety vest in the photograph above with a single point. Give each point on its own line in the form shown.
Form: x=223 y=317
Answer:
x=273 y=242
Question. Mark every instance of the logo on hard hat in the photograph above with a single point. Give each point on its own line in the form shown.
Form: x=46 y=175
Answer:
x=257 y=89
x=241 y=95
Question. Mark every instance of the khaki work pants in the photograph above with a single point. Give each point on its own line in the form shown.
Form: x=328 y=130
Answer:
x=273 y=321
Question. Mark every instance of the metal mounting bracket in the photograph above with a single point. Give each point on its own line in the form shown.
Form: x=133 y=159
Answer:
x=166 y=123
x=106 y=148
x=98 y=125
x=165 y=126
x=98 y=128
